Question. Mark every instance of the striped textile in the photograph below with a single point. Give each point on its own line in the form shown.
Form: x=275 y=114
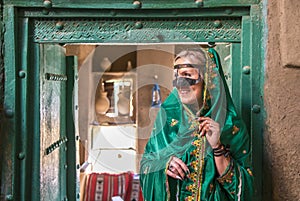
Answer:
x=103 y=186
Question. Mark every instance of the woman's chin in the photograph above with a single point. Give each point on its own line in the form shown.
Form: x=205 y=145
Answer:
x=187 y=100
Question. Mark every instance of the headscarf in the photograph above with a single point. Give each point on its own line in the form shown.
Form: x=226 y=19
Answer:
x=173 y=135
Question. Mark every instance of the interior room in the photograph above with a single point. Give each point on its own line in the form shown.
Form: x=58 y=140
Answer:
x=120 y=89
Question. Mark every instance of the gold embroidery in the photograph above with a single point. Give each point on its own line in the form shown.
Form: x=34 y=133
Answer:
x=249 y=172
x=174 y=122
x=192 y=127
x=235 y=130
x=211 y=188
x=196 y=134
x=212 y=86
x=196 y=143
x=228 y=176
x=191 y=188
x=195 y=153
x=194 y=165
x=189 y=198
x=193 y=176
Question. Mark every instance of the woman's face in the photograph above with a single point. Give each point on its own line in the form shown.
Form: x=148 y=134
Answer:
x=189 y=94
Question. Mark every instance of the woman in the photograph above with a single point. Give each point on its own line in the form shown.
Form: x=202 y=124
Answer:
x=199 y=147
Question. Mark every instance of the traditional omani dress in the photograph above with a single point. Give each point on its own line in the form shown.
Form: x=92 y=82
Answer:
x=175 y=133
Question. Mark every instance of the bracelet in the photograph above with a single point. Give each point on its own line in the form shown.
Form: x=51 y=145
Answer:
x=222 y=150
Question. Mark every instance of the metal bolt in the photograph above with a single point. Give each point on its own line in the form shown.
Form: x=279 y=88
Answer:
x=21 y=155
x=22 y=74
x=59 y=25
x=9 y=197
x=47 y=4
x=113 y=13
x=137 y=4
x=229 y=11
x=246 y=69
x=45 y=11
x=199 y=3
x=9 y=113
x=138 y=25
x=217 y=23
x=66 y=166
x=256 y=108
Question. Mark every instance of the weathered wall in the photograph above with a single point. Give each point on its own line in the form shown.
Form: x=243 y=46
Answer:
x=282 y=100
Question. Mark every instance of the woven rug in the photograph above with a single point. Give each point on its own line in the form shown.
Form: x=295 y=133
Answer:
x=104 y=186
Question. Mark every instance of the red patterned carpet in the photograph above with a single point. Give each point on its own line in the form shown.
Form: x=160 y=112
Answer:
x=104 y=186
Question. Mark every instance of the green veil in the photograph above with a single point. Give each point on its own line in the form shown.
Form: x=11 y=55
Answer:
x=175 y=133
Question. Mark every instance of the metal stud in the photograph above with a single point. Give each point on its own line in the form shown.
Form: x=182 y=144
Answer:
x=246 y=70
x=9 y=113
x=45 y=11
x=9 y=197
x=137 y=4
x=59 y=26
x=256 y=108
x=229 y=11
x=21 y=155
x=22 y=74
x=217 y=23
x=47 y=4
x=199 y=3
x=138 y=25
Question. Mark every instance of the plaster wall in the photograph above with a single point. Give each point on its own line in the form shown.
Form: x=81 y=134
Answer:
x=282 y=101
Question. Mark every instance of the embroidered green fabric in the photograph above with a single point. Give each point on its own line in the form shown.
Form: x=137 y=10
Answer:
x=175 y=133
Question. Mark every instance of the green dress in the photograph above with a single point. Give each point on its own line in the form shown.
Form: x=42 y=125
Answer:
x=175 y=133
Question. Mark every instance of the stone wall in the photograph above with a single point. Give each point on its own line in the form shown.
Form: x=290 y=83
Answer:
x=282 y=101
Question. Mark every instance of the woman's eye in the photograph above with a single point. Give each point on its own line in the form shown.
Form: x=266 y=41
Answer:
x=187 y=75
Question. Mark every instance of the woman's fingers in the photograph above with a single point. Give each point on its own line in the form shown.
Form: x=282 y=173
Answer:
x=171 y=174
x=182 y=168
x=178 y=167
x=207 y=126
x=210 y=129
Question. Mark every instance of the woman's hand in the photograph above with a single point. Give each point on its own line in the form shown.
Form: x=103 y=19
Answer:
x=177 y=168
x=211 y=130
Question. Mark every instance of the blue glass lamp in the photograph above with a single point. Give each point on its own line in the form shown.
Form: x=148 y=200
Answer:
x=156 y=98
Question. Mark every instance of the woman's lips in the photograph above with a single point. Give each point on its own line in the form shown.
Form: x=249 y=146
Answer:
x=184 y=91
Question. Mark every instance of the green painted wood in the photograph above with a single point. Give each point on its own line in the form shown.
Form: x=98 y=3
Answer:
x=257 y=118
x=1 y=62
x=236 y=76
x=22 y=107
x=22 y=126
x=129 y=13
x=10 y=166
x=246 y=93
x=71 y=110
x=33 y=74
x=138 y=31
x=53 y=168
x=128 y=4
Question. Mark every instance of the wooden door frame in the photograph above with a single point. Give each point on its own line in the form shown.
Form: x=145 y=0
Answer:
x=26 y=27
